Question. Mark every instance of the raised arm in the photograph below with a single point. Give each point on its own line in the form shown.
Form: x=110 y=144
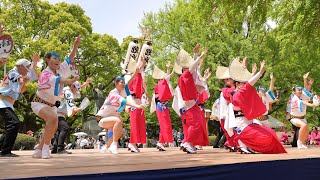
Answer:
x=244 y=62
x=207 y=74
x=1 y=29
x=75 y=48
x=254 y=68
x=195 y=64
x=35 y=60
x=168 y=72
x=271 y=88
x=255 y=78
x=85 y=84
x=168 y=68
x=196 y=51
x=310 y=83
x=305 y=80
x=134 y=75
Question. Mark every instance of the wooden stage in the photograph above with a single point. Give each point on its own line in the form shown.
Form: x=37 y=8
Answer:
x=94 y=162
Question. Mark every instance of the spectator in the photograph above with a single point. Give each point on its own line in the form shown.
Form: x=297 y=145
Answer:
x=284 y=137
x=84 y=143
x=314 y=137
x=30 y=133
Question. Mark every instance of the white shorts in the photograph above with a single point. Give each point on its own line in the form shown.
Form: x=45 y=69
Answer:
x=294 y=121
x=36 y=107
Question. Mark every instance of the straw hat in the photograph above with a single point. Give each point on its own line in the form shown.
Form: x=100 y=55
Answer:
x=132 y=66
x=158 y=73
x=184 y=59
x=223 y=72
x=177 y=69
x=238 y=72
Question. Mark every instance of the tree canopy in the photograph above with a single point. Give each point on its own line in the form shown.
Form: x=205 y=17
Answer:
x=284 y=33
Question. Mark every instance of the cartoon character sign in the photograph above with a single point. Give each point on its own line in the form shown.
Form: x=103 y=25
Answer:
x=145 y=100
x=6 y=45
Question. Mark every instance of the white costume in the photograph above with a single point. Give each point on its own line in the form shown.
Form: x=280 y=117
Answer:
x=49 y=87
x=269 y=120
x=297 y=109
x=12 y=88
x=113 y=105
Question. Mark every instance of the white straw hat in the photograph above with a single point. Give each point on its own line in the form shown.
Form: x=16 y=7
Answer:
x=158 y=73
x=222 y=72
x=238 y=72
x=177 y=69
x=184 y=59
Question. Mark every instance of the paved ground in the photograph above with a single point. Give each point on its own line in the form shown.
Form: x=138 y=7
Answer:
x=93 y=161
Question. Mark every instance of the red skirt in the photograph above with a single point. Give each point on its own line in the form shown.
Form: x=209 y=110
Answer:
x=165 y=134
x=195 y=130
x=184 y=128
x=137 y=126
x=261 y=139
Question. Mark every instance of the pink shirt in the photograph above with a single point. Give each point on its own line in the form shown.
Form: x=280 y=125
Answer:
x=284 y=137
x=315 y=136
x=112 y=104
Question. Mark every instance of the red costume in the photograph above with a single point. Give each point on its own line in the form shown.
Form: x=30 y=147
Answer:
x=137 y=116
x=258 y=138
x=194 y=130
x=226 y=92
x=163 y=94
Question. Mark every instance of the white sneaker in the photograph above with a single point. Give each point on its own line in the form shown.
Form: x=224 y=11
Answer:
x=37 y=153
x=301 y=145
x=113 y=148
x=245 y=150
x=189 y=148
x=198 y=147
x=133 y=148
x=160 y=147
x=45 y=152
x=104 y=149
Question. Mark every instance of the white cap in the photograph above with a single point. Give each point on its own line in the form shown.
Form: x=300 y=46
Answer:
x=24 y=62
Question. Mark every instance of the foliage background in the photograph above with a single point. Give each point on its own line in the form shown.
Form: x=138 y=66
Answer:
x=284 y=33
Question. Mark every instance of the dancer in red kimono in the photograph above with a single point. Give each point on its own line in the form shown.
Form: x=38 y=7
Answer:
x=194 y=131
x=162 y=94
x=138 y=132
x=202 y=88
x=247 y=105
x=222 y=105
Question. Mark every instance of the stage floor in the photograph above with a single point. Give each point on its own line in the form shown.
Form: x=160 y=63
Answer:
x=94 y=162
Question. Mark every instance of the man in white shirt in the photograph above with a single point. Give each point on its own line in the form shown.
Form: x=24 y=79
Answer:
x=10 y=90
x=69 y=94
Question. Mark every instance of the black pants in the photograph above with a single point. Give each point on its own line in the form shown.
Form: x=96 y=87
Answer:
x=11 y=130
x=61 y=134
x=296 y=136
x=219 y=134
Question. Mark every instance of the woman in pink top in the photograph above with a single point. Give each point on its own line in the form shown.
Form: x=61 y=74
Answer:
x=47 y=99
x=284 y=137
x=314 y=136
